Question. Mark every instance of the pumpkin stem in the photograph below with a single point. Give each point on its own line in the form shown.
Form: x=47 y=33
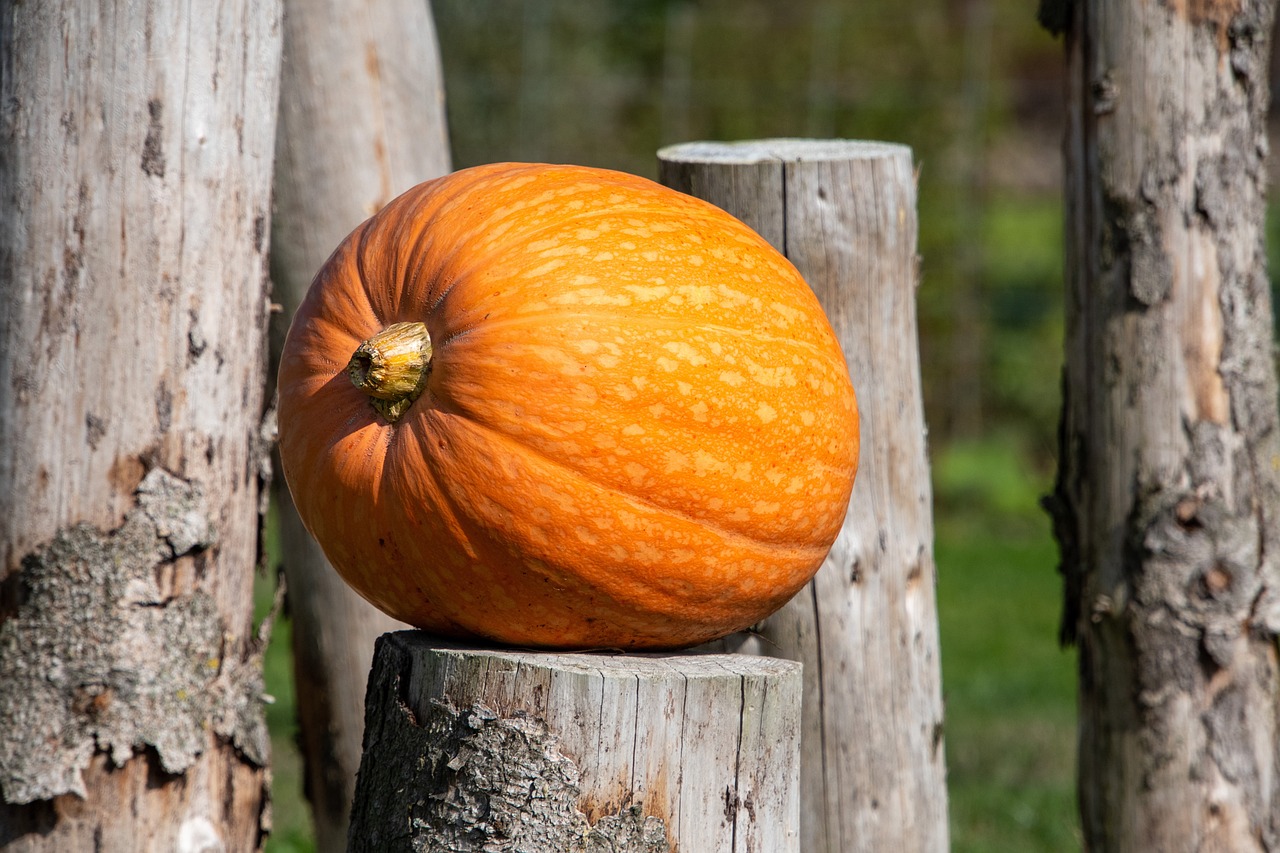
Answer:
x=392 y=368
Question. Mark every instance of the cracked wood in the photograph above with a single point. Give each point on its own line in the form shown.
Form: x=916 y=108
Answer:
x=478 y=750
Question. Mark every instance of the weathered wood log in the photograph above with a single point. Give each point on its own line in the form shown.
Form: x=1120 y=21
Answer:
x=873 y=773
x=1167 y=502
x=135 y=172
x=475 y=750
x=361 y=120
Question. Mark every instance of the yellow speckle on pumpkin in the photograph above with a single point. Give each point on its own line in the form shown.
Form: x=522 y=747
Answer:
x=697 y=294
x=676 y=461
x=680 y=349
x=766 y=413
x=788 y=312
x=545 y=269
x=705 y=463
x=646 y=293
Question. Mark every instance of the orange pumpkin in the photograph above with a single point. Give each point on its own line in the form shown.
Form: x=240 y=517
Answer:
x=592 y=412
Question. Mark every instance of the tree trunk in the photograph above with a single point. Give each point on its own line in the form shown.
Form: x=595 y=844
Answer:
x=135 y=170
x=361 y=120
x=470 y=750
x=1167 y=503
x=866 y=629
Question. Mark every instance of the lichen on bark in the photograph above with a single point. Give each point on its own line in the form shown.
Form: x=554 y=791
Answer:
x=470 y=781
x=97 y=658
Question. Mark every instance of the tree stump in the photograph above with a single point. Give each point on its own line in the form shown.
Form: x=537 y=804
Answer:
x=470 y=749
x=866 y=629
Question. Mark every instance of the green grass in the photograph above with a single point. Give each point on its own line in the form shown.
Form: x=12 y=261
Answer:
x=290 y=815
x=1009 y=688
x=1010 y=694
x=1010 y=691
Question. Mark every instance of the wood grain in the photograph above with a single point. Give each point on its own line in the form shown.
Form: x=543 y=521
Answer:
x=641 y=752
x=135 y=165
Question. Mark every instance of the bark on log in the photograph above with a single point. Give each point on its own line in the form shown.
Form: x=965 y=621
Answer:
x=1167 y=505
x=361 y=120
x=866 y=629
x=475 y=750
x=135 y=170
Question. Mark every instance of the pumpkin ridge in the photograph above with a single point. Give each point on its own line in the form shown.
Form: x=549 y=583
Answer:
x=650 y=320
x=725 y=532
x=424 y=205
x=365 y=280
x=481 y=257
x=607 y=586
x=459 y=521
x=482 y=254
x=443 y=501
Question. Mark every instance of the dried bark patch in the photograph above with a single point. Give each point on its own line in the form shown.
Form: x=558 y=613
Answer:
x=98 y=658
x=471 y=781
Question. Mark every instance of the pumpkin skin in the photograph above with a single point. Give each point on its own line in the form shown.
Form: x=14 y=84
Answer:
x=638 y=429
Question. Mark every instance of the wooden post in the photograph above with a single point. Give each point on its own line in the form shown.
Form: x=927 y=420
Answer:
x=473 y=750
x=361 y=120
x=1167 y=502
x=135 y=179
x=866 y=628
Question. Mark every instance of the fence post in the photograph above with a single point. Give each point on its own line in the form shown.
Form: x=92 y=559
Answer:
x=471 y=749
x=872 y=771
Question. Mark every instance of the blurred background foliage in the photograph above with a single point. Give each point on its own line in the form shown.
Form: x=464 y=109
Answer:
x=975 y=88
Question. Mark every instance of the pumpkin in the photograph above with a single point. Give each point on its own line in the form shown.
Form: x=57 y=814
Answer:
x=564 y=407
